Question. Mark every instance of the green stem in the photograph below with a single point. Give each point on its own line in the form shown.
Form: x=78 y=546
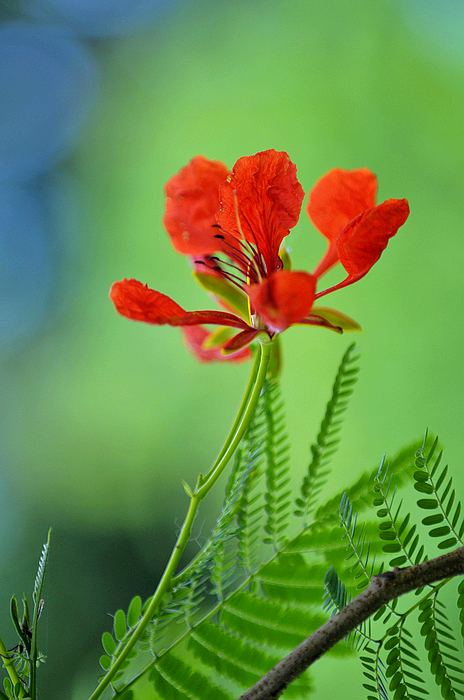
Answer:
x=8 y=664
x=204 y=485
x=240 y=412
x=241 y=423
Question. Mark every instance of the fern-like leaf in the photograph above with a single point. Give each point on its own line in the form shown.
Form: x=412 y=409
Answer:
x=445 y=523
x=276 y=452
x=39 y=579
x=358 y=547
x=374 y=673
x=256 y=588
x=406 y=676
x=335 y=599
x=327 y=439
x=445 y=664
x=399 y=537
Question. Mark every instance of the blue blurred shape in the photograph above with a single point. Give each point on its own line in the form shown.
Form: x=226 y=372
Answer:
x=47 y=88
x=25 y=264
x=442 y=20
x=100 y=18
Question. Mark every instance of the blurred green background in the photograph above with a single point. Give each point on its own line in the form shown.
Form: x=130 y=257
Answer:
x=101 y=418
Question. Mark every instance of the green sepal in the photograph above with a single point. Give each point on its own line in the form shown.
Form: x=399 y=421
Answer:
x=229 y=293
x=15 y=615
x=263 y=334
x=336 y=318
x=218 y=337
x=187 y=488
x=27 y=616
x=275 y=363
x=285 y=257
x=22 y=627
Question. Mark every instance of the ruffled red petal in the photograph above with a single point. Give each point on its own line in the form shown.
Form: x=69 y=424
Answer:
x=192 y=200
x=138 y=302
x=363 y=240
x=337 y=198
x=284 y=298
x=261 y=199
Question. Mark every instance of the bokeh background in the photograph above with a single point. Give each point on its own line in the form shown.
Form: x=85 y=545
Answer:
x=101 y=101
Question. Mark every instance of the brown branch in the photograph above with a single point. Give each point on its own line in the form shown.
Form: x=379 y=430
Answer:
x=382 y=589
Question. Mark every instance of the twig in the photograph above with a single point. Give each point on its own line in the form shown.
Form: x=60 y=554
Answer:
x=382 y=589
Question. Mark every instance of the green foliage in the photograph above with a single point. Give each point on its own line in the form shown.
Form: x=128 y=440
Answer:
x=446 y=524
x=264 y=580
x=22 y=660
x=393 y=663
x=252 y=592
x=327 y=440
x=335 y=598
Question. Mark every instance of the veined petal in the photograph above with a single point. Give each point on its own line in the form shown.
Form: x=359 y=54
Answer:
x=284 y=298
x=363 y=240
x=241 y=340
x=336 y=318
x=197 y=340
x=337 y=198
x=138 y=302
x=192 y=200
x=314 y=320
x=261 y=200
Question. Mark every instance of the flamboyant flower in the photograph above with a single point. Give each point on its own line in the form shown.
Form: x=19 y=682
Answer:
x=232 y=224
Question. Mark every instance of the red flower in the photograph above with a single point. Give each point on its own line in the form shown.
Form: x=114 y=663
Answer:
x=233 y=225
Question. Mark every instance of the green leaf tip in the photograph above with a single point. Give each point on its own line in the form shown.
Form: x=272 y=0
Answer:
x=187 y=488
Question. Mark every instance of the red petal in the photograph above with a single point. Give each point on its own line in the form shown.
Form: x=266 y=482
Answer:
x=261 y=199
x=136 y=301
x=191 y=206
x=140 y=303
x=337 y=198
x=362 y=242
x=314 y=320
x=284 y=298
x=241 y=340
x=195 y=338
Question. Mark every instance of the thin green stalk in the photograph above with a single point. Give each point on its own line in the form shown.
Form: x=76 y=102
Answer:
x=8 y=664
x=241 y=410
x=204 y=484
x=228 y=450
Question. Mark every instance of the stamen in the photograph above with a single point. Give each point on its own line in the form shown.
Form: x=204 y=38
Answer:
x=248 y=257
x=237 y=216
x=256 y=253
x=245 y=257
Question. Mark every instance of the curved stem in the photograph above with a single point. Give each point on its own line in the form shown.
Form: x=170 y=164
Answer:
x=9 y=665
x=204 y=485
x=240 y=412
x=242 y=423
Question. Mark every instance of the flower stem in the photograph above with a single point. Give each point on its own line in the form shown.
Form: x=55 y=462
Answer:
x=240 y=412
x=241 y=423
x=8 y=664
x=204 y=485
